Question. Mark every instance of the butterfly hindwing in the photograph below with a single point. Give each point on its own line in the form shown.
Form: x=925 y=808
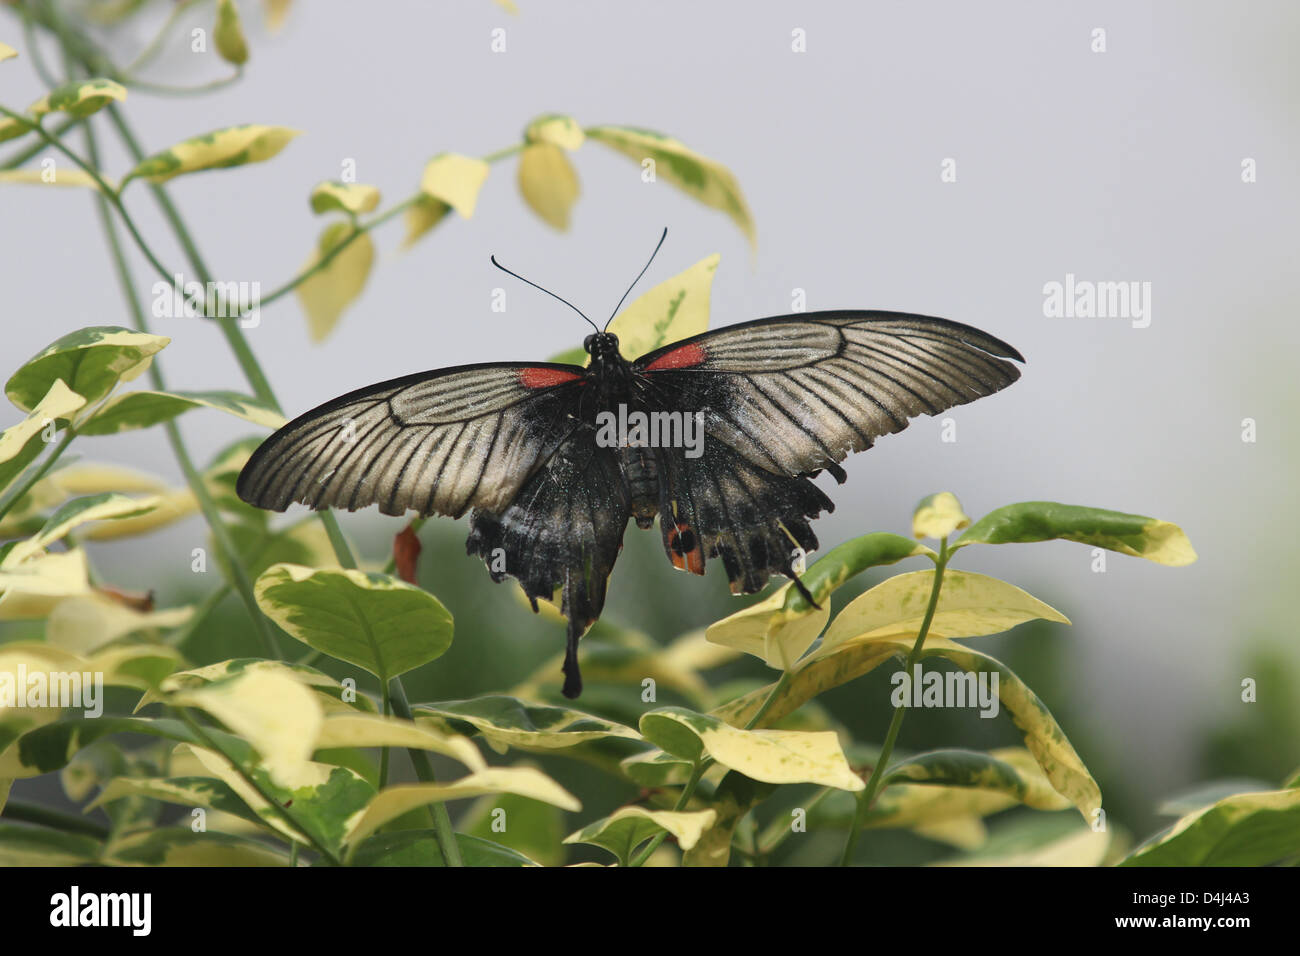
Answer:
x=799 y=393
x=563 y=531
x=436 y=442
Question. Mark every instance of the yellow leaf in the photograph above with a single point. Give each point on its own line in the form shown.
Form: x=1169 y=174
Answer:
x=80 y=98
x=234 y=146
x=352 y=729
x=770 y=632
x=275 y=713
x=84 y=623
x=32 y=589
x=58 y=176
x=7 y=52
x=328 y=292
x=672 y=310
x=455 y=180
x=277 y=11
x=421 y=216
x=548 y=183
x=16 y=448
x=970 y=605
x=562 y=131
x=355 y=198
x=938 y=516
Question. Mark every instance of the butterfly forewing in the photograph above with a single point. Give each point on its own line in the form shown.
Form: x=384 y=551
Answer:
x=436 y=442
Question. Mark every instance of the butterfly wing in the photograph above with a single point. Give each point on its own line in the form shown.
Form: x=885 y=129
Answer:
x=783 y=398
x=563 y=531
x=798 y=393
x=436 y=442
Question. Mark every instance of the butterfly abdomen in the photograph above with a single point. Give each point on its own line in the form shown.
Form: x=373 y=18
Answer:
x=641 y=472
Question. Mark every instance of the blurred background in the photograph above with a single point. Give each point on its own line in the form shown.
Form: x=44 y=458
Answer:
x=1117 y=165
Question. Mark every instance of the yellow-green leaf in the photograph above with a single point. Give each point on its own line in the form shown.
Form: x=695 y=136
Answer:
x=220 y=149
x=18 y=443
x=1245 y=829
x=703 y=179
x=66 y=175
x=770 y=632
x=90 y=361
x=181 y=846
x=373 y=730
x=548 y=183
x=229 y=34
x=938 y=516
x=329 y=291
x=509 y=722
x=275 y=713
x=354 y=198
x=771 y=756
x=970 y=605
x=391 y=803
x=80 y=98
x=624 y=830
x=421 y=216
x=82 y=624
x=455 y=180
x=141 y=409
x=33 y=587
x=7 y=52
x=556 y=129
x=11 y=127
x=73 y=514
x=1136 y=535
x=671 y=311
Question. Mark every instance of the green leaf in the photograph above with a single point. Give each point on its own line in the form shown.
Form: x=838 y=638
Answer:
x=352 y=198
x=1039 y=842
x=220 y=149
x=1029 y=521
x=229 y=34
x=970 y=605
x=703 y=179
x=1043 y=736
x=420 y=848
x=181 y=846
x=548 y=183
x=80 y=98
x=455 y=180
x=509 y=722
x=624 y=830
x=142 y=409
x=847 y=560
x=1020 y=779
x=673 y=310
x=734 y=797
x=19 y=446
x=90 y=361
x=391 y=803
x=938 y=516
x=325 y=294
x=38 y=846
x=1204 y=794
x=655 y=768
x=49 y=748
x=1247 y=829
x=771 y=756
x=529 y=827
x=12 y=127
x=207 y=792
x=375 y=621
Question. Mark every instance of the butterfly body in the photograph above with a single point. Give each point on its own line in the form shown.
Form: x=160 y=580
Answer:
x=736 y=423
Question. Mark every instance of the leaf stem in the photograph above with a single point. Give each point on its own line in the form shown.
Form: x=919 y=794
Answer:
x=868 y=796
x=443 y=833
x=40 y=472
x=44 y=816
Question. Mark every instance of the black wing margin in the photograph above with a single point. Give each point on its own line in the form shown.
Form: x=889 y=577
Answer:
x=799 y=393
x=436 y=442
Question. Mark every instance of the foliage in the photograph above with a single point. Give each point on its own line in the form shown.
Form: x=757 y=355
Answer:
x=273 y=759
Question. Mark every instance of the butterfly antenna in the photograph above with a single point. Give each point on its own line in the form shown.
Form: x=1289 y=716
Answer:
x=547 y=291
x=638 y=277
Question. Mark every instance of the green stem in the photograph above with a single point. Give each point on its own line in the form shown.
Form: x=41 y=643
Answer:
x=67 y=822
x=154 y=46
x=40 y=472
x=18 y=159
x=777 y=690
x=683 y=801
x=243 y=584
x=868 y=796
x=443 y=833
x=384 y=751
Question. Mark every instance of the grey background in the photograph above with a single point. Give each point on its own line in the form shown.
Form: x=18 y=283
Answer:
x=1116 y=166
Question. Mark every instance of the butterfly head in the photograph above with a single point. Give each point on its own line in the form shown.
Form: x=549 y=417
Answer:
x=601 y=345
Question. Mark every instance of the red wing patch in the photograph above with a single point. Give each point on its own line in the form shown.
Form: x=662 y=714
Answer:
x=687 y=356
x=545 y=377
x=684 y=549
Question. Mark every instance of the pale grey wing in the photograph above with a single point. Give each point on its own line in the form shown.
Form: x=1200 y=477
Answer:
x=798 y=393
x=435 y=442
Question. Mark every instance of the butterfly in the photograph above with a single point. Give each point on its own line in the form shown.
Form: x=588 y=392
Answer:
x=717 y=436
